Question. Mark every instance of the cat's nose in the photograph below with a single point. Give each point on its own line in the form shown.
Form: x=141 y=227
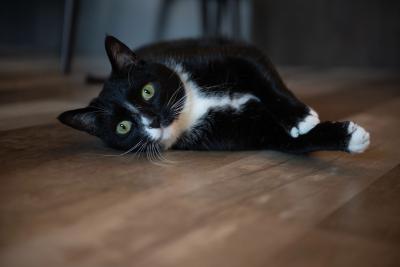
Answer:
x=155 y=123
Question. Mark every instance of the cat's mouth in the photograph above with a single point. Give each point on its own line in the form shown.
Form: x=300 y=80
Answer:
x=163 y=135
x=166 y=132
x=155 y=134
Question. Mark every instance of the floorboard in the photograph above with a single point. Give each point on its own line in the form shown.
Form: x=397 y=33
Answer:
x=66 y=200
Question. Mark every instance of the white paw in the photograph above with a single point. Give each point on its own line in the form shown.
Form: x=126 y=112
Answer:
x=359 y=140
x=304 y=126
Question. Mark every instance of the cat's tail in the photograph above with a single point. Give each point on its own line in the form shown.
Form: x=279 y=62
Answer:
x=345 y=136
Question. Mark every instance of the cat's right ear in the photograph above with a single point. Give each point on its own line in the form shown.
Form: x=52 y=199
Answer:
x=83 y=119
x=119 y=54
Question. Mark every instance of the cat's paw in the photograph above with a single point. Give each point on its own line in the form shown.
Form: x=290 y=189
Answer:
x=359 y=138
x=306 y=124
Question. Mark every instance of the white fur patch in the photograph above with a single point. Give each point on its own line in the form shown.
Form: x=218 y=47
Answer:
x=359 y=140
x=196 y=106
x=131 y=108
x=154 y=133
x=304 y=126
x=145 y=121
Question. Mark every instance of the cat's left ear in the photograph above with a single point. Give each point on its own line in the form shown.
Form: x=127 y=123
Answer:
x=119 y=54
x=83 y=119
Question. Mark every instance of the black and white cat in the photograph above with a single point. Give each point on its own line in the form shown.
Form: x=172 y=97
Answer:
x=204 y=95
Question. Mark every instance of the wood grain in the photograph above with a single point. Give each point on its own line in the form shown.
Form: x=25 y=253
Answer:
x=66 y=200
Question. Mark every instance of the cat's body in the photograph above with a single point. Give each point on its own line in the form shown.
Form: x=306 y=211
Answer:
x=205 y=95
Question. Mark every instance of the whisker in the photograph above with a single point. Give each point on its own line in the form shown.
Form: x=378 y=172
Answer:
x=178 y=108
x=221 y=85
x=126 y=152
x=148 y=153
x=152 y=154
x=174 y=95
x=131 y=149
x=155 y=155
x=179 y=105
x=161 y=156
x=179 y=102
x=138 y=153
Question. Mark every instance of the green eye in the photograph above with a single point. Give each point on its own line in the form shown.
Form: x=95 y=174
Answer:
x=123 y=127
x=148 y=91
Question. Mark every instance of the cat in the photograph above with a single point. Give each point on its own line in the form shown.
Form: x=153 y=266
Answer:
x=198 y=94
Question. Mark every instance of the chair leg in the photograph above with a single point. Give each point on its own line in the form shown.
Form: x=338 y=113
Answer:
x=68 y=35
x=162 y=18
x=220 y=9
x=236 y=19
x=205 y=23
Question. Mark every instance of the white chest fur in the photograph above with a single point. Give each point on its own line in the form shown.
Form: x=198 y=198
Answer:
x=196 y=106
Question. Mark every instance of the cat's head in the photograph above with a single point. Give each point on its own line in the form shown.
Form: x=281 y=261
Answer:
x=137 y=106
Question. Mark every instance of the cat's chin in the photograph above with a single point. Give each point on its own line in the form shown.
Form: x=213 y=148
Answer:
x=154 y=134
x=160 y=135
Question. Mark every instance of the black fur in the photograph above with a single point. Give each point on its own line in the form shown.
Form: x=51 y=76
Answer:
x=218 y=67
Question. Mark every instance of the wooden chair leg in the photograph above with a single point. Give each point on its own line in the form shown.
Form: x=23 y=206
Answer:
x=236 y=19
x=205 y=23
x=220 y=11
x=162 y=18
x=68 y=35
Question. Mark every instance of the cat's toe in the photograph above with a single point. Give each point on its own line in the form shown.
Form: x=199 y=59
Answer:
x=306 y=124
x=359 y=138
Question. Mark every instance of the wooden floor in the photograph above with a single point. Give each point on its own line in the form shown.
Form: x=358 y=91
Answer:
x=65 y=201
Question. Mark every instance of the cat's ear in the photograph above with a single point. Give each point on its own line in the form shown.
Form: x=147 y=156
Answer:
x=83 y=119
x=119 y=54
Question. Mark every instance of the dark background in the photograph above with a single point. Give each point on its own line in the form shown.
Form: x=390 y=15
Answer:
x=324 y=33
x=321 y=33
